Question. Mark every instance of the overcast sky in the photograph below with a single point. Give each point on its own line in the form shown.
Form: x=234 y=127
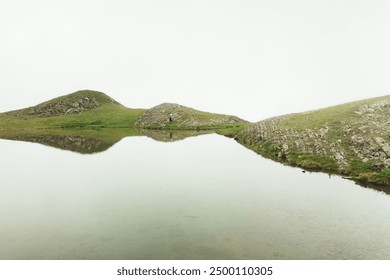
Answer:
x=251 y=58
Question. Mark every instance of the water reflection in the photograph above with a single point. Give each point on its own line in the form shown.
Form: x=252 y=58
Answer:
x=93 y=141
x=99 y=140
x=171 y=136
x=79 y=144
x=203 y=198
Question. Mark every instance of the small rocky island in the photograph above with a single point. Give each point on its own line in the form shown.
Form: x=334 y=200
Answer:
x=352 y=139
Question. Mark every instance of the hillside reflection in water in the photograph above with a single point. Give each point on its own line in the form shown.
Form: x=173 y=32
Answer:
x=202 y=198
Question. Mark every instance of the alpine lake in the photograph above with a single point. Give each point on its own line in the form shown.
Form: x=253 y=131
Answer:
x=177 y=195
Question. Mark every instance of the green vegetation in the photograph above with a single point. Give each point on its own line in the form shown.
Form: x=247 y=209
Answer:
x=109 y=115
x=368 y=173
x=232 y=130
x=359 y=166
x=334 y=116
x=313 y=162
x=379 y=178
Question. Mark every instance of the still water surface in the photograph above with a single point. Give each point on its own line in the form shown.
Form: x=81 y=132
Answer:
x=205 y=197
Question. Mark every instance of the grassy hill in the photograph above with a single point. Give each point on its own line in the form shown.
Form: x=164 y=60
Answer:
x=352 y=139
x=183 y=117
x=77 y=110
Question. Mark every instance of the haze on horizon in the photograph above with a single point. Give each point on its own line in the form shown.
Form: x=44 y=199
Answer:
x=253 y=59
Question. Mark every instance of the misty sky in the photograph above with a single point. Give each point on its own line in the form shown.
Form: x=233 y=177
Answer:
x=251 y=58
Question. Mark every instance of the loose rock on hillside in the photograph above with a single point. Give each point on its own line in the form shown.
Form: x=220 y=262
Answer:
x=183 y=117
x=68 y=107
x=71 y=104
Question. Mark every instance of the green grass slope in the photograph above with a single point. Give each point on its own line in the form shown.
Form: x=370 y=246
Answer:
x=84 y=108
x=352 y=139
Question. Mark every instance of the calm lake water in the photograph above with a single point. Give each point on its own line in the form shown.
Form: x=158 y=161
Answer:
x=205 y=197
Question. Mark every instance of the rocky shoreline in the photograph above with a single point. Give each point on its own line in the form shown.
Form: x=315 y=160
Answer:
x=356 y=144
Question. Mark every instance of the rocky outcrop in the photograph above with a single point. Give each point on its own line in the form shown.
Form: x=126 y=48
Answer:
x=346 y=135
x=370 y=134
x=68 y=106
x=71 y=104
x=167 y=114
x=307 y=141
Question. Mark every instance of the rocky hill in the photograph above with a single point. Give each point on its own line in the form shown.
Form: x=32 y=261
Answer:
x=351 y=139
x=71 y=104
x=81 y=109
x=168 y=115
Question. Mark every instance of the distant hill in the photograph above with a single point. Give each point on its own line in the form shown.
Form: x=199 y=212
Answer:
x=351 y=139
x=169 y=115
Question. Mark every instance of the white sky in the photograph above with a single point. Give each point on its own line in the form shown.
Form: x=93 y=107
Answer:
x=251 y=58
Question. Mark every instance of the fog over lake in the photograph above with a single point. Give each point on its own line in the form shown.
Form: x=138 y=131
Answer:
x=204 y=197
